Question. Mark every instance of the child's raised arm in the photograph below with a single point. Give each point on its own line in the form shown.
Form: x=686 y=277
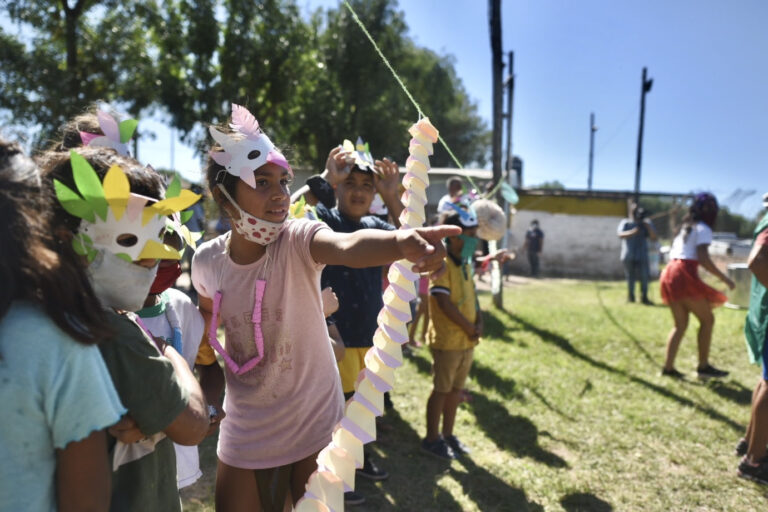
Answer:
x=373 y=247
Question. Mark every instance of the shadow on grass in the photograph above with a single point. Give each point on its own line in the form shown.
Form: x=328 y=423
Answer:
x=565 y=345
x=495 y=328
x=584 y=502
x=489 y=379
x=413 y=481
x=420 y=360
x=516 y=434
x=623 y=329
x=733 y=391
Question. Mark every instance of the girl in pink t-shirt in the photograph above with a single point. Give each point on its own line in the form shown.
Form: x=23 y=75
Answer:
x=261 y=283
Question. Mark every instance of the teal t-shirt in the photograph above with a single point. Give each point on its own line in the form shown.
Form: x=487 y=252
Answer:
x=756 y=325
x=53 y=391
x=148 y=387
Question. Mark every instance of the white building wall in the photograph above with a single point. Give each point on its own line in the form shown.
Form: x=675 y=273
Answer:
x=574 y=245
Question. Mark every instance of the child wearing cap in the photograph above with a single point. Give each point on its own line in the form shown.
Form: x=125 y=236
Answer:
x=455 y=327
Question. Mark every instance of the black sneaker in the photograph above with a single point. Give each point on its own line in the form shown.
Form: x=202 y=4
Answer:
x=438 y=448
x=630 y=299
x=757 y=472
x=710 y=372
x=457 y=446
x=353 y=498
x=647 y=301
x=371 y=471
x=741 y=447
x=672 y=373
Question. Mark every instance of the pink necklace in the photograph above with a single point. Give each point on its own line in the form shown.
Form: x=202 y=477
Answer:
x=258 y=336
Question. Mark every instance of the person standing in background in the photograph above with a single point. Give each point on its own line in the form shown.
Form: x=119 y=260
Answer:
x=454 y=195
x=533 y=245
x=634 y=233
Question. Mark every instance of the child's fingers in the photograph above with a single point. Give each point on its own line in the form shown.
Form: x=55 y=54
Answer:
x=437 y=233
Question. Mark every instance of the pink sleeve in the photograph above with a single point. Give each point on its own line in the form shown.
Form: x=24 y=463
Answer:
x=302 y=232
x=201 y=273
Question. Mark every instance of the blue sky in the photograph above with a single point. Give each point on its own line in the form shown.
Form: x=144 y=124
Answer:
x=705 y=124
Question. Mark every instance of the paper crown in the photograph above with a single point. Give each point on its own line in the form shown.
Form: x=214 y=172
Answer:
x=242 y=156
x=116 y=135
x=176 y=223
x=110 y=211
x=361 y=153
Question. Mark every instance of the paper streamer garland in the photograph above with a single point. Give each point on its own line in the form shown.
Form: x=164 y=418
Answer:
x=337 y=461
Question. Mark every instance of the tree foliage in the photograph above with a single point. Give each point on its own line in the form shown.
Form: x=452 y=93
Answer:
x=67 y=55
x=310 y=82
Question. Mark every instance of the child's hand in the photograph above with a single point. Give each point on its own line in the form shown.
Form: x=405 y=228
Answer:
x=215 y=421
x=387 y=178
x=336 y=166
x=471 y=330
x=424 y=246
x=126 y=430
x=330 y=301
x=479 y=326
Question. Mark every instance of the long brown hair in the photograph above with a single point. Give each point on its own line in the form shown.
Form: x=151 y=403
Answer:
x=35 y=264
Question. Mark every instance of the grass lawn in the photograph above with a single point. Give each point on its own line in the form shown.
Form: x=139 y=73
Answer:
x=569 y=414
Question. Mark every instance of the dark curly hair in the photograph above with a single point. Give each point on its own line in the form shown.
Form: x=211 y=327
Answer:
x=704 y=209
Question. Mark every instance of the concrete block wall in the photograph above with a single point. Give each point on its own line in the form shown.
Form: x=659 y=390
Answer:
x=574 y=245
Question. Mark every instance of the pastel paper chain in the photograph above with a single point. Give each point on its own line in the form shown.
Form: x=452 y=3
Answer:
x=258 y=336
x=337 y=461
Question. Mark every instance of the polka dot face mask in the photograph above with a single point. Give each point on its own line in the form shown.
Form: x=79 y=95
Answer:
x=253 y=228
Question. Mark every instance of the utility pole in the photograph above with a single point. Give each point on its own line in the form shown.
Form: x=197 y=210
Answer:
x=592 y=130
x=497 y=65
x=644 y=89
x=510 y=84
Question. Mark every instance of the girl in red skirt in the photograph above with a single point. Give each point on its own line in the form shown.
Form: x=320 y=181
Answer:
x=684 y=291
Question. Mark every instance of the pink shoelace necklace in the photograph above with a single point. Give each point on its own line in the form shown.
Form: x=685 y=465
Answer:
x=258 y=336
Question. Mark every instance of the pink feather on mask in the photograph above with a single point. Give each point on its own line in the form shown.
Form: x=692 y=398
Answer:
x=88 y=137
x=244 y=122
x=109 y=126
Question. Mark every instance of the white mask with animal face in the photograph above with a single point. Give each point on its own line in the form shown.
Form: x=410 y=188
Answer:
x=114 y=219
x=119 y=284
x=243 y=155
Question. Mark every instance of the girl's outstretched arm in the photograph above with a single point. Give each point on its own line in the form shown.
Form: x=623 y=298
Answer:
x=373 y=247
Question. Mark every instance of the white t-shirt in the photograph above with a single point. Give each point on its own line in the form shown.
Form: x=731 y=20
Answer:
x=177 y=307
x=684 y=248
